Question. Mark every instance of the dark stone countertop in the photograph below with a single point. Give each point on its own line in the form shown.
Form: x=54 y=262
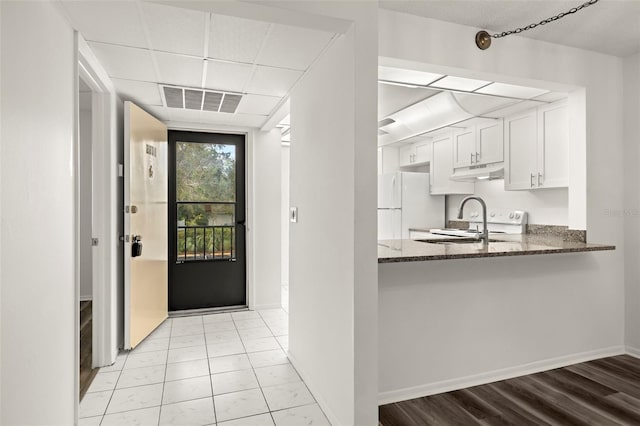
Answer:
x=390 y=251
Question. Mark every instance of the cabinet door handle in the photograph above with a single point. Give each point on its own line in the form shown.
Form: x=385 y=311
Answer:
x=532 y=178
x=477 y=155
x=539 y=179
x=471 y=154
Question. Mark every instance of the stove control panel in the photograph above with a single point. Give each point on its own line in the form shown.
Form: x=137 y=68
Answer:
x=500 y=220
x=512 y=217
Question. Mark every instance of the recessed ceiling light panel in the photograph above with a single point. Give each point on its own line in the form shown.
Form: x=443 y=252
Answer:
x=512 y=91
x=458 y=83
x=406 y=77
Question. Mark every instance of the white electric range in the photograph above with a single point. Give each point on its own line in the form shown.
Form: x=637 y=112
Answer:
x=499 y=221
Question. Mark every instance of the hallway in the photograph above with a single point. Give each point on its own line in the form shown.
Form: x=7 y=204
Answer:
x=228 y=369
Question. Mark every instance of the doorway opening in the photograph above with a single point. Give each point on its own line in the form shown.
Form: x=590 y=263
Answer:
x=207 y=241
x=85 y=219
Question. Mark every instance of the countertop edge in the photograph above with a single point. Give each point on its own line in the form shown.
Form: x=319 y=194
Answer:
x=558 y=250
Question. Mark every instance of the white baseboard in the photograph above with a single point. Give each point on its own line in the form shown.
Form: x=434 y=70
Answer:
x=86 y=298
x=496 y=375
x=311 y=386
x=267 y=306
x=634 y=352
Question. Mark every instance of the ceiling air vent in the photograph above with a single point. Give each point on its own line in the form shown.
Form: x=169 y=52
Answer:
x=200 y=100
x=173 y=97
x=386 y=122
x=230 y=103
x=193 y=99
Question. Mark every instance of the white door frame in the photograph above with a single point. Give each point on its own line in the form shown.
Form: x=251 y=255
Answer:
x=104 y=206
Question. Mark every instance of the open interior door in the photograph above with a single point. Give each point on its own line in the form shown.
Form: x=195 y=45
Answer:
x=145 y=224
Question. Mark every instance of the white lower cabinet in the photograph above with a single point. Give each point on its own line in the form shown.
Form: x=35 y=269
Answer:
x=442 y=168
x=536 y=147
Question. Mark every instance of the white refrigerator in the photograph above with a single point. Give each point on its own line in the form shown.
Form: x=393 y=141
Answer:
x=404 y=202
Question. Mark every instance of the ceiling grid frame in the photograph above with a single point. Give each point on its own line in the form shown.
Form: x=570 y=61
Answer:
x=142 y=34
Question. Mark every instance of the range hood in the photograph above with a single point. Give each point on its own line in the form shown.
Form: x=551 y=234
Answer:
x=436 y=112
x=482 y=172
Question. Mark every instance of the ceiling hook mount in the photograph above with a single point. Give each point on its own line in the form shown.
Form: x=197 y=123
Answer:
x=483 y=40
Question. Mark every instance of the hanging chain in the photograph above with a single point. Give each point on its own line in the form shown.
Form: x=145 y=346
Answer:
x=545 y=21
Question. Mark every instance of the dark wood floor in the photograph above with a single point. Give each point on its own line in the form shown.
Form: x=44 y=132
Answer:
x=86 y=327
x=602 y=392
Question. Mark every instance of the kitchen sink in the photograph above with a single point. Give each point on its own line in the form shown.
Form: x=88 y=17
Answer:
x=455 y=241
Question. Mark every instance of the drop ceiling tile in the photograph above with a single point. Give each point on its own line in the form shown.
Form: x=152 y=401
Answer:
x=185 y=115
x=141 y=92
x=399 y=75
x=273 y=81
x=116 y=22
x=179 y=70
x=241 y=120
x=502 y=89
x=257 y=104
x=227 y=76
x=459 y=83
x=174 y=29
x=236 y=39
x=160 y=112
x=293 y=47
x=125 y=62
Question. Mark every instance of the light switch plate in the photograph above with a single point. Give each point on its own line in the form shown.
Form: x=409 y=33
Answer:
x=293 y=214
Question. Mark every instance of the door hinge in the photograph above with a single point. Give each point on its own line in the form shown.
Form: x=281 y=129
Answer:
x=94 y=242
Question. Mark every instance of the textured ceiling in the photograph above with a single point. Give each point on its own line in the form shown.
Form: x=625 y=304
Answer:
x=610 y=26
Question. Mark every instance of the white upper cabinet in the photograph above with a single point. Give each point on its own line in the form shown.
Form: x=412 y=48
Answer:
x=442 y=168
x=553 y=146
x=490 y=143
x=415 y=154
x=464 y=147
x=422 y=151
x=406 y=155
x=536 y=148
x=520 y=150
x=388 y=161
x=479 y=144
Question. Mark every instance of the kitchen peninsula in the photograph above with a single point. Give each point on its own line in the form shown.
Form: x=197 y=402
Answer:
x=505 y=245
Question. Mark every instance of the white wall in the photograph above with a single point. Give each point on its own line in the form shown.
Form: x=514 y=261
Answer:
x=85 y=170
x=284 y=214
x=321 y=256
x=545 y=206
x=451 y=321
x=333 y=281
x=266 y=219
x=632 y=199
x=38 y=292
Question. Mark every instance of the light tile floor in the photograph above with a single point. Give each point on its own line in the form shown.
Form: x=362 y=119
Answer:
x=228 y=369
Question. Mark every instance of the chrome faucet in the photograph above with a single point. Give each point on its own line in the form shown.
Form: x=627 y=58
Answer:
x=485 y=232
